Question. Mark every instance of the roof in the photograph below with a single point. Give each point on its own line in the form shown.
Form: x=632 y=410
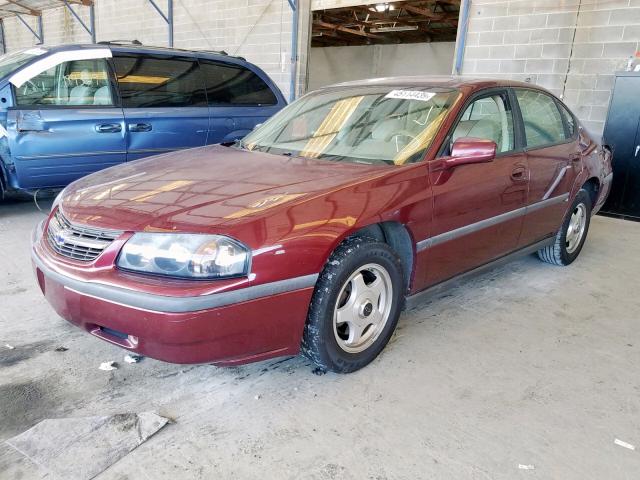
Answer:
x=433 y=81
x=406 y=21
x=135 y=47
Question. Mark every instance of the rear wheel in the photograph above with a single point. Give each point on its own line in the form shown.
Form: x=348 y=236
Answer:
x=355 y=306
x=573 y=233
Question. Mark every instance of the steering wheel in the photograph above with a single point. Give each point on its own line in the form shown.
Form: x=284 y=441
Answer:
x=29 y=87
x=400 y=133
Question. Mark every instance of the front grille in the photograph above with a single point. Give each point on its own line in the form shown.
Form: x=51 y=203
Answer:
x=78 y=241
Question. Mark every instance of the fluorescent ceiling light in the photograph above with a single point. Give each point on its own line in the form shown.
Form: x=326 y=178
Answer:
x=400 y=28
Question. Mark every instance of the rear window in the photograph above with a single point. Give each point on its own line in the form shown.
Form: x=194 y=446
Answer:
x=154 y=81
x=228 y=84
x=542 y=121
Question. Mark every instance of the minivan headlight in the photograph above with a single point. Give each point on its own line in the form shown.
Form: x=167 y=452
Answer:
x=184 y=255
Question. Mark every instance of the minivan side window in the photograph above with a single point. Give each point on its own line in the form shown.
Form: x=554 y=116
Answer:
x=229 y=84
x=73 y=83
x=542 y=121
x=147 y=81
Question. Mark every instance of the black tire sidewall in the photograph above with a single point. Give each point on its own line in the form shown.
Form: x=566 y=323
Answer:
x=566 y=257
x=350 y=256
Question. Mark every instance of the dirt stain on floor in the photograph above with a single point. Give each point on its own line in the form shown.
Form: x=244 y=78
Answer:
x=19 y=353
x=24 y=404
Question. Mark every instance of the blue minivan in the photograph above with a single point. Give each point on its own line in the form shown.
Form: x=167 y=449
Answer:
x=71 y=110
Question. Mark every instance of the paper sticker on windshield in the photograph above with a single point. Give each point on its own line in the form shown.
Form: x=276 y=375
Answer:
x=410 y=95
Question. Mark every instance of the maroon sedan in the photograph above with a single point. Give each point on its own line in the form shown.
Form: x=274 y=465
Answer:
x=312 y=233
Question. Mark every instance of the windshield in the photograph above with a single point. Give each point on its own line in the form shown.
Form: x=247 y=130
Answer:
x=11 y=61
x=365 y=125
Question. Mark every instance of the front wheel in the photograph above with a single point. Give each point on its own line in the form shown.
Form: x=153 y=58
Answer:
x=573 y=233
x=355 y=306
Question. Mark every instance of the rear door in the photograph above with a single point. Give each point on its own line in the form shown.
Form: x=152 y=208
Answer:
x=164 y=103
x=66 y=122
x=478 y=209
x=239 y=99
x=553 y=158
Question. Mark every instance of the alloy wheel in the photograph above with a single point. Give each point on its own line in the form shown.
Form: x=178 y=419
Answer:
x=363 y=308
x=576 y=228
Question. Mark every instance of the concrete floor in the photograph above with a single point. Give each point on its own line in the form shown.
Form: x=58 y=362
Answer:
x=529 y=364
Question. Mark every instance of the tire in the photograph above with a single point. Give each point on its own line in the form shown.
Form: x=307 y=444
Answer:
x=567 y=247
x=361 y=282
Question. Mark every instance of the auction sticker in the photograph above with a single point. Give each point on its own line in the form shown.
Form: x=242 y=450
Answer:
x=410 y=95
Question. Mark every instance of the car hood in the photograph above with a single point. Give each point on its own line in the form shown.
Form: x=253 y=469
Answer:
x=202 y=189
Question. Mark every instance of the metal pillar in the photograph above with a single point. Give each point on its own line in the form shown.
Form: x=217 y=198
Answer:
x=294 y=48
x=463 y=22
x=168 y=18
x=39 y=34
x=2 y=39
x=91 y=29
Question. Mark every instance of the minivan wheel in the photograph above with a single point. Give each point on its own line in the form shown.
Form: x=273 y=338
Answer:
x=573 y=233
x=355 y=306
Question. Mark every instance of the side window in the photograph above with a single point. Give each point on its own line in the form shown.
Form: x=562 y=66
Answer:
x=489 y=118
x=152 y=81
x=542 y=121
x=228 y=84
x=571 y=123
x=73 y=83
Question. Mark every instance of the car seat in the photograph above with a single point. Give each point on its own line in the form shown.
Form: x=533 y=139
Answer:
x=82 y=94
x=103 y=96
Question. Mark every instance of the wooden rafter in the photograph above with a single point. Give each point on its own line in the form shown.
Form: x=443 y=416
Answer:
x=27 y=10
x=352 y=31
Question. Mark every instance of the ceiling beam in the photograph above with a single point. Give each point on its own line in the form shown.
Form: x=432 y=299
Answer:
x=382 y=17
x=332 y=26
x=27 y=10
x=427 y=13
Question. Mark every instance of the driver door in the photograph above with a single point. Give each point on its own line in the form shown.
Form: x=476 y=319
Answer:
x=477 y=208
x=66 y=123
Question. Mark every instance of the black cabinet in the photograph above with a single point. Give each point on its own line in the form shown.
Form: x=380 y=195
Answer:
x=622 y=135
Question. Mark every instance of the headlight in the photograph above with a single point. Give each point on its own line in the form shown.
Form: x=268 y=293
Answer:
x=184 y=255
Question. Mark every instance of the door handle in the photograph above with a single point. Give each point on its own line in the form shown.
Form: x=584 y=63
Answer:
x=139 y=127
x=519 y=174
x=637 y=150
x=108 y=128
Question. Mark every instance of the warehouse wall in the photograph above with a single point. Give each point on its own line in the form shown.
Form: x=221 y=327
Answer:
x=338 y=64
x=571 y=47
x=259 y=30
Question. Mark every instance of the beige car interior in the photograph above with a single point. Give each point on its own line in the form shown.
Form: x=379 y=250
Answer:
x=487 y=118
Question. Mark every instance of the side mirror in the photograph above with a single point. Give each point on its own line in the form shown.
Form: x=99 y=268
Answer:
x=471 y=150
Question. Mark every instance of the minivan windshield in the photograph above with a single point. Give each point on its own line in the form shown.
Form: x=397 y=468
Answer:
x=11 y=61
x=372 y=125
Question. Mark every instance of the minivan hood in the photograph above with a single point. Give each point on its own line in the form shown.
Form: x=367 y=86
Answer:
x=201 y=189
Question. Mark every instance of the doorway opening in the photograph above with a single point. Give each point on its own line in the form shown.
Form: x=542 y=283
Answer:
x=412 y=37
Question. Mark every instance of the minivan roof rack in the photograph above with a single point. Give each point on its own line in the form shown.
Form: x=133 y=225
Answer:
x=120 y=42
x=138 y=43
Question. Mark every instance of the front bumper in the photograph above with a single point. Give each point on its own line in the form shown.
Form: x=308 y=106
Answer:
x=234 y=327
